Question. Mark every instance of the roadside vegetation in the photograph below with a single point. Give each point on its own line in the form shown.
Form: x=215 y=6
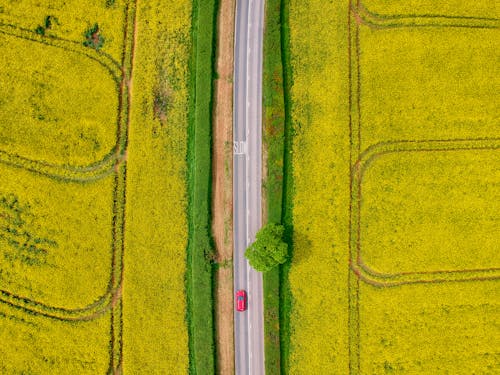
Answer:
x=277 y=186
x=285 y=301
x=201 y=252
x=222 y=194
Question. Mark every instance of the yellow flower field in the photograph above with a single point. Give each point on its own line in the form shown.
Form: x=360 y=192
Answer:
x=36 y=114
x=396 y=184
x=93 y=226
x=55 y=238
x=154 y=309
x=319 y=272
x=70 y=19
x=436 y=214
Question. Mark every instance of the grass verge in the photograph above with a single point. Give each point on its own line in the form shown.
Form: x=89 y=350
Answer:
x=274 y=129
x=200 y=252
x=278 y=183
x=285 y=296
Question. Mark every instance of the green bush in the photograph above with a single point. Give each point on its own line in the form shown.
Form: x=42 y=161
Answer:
x=40 y=30
x=93 y=38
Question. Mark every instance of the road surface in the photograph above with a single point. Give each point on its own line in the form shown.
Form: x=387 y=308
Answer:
x=247 y=181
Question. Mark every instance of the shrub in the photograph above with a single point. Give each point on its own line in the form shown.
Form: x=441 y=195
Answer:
x=40 y=30
x=93 y=38
x=49 y=21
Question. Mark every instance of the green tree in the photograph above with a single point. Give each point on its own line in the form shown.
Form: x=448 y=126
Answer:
x=269 y=249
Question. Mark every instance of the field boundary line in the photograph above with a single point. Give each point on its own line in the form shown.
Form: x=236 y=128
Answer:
x=94 y=170
x=357 y=173
x=374 y=20
x=100 y=171
x=358 y=15
x=113 y=164
x=128 y=60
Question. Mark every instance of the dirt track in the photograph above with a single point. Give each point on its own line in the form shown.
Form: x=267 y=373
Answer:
x=222 y=187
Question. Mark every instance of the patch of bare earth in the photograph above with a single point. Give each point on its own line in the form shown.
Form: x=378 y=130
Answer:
x=222 y=206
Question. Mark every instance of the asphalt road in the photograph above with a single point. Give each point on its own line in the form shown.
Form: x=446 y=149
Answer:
x=247 y=182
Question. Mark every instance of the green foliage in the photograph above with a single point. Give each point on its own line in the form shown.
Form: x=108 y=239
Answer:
x=200 y=249
x=40 y=30
x=271 y=285
x=17 y=233
x=285 y=295
x=274 y=142
x=93 y=38
x=49 y=21
x=274 y=110
x=269 y=249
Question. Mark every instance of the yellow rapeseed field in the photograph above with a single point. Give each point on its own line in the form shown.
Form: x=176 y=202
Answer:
x=70 y=19
x=319 y=271
x=93 y=228
x=436 y=214
x=55 y=238
x=455 y=8
x=396 y=183
x=35 y=115
x=154 y=307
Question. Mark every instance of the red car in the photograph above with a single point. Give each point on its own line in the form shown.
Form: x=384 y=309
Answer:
x=241 y=300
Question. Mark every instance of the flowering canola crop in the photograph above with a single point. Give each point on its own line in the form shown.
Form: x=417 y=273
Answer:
x=93 y=133
x=396 y=185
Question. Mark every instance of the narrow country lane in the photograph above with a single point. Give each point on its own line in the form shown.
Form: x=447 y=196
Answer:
x=247 y=183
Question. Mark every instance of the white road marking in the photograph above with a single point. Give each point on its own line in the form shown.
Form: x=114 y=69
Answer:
x=239 y=147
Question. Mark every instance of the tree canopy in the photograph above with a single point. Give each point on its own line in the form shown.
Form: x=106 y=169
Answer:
x=269 y=249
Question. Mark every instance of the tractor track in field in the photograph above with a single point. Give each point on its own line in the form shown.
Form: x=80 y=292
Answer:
x=69 y=173
x=114 y=163
x=358 y=15
x=118 y=365
x=379 y=279
x=374 y=20
x=367 y=156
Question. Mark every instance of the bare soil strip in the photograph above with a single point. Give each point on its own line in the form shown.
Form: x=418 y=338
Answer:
x=222 y=206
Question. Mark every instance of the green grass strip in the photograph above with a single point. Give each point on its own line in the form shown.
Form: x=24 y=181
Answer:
x=274 y=130
x=285 y=302
x=200 y=252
